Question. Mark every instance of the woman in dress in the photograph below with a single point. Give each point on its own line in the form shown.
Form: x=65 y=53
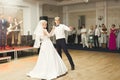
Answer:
x=103 y=36
x=112 y=38
x=90 y=36
x=118 y=38
x=49 y=64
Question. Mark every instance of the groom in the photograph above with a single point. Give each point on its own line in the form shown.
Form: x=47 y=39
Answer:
x=60 y=40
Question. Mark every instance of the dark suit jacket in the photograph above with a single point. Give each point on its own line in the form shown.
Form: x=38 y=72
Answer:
x=3 y=27
x=0 y=28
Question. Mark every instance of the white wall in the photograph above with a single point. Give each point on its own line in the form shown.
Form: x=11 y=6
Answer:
x=89 y=15
x=74 y=11
x=52 y=11
x=26 y=21
x=31 y=16
x=110 y=11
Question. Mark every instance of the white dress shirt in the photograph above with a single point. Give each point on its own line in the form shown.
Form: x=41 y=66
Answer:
x=97 y=32
x=83 y=31
x=60 y=31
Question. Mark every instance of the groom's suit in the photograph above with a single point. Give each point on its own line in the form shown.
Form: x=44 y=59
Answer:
x=61 y=43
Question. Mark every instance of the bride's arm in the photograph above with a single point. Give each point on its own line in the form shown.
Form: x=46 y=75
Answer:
x=47 y=33
x=52 y=31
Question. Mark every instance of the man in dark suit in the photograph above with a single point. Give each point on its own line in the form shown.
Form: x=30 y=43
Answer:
x=60 y=40
x=3 y=32
x=0 y=34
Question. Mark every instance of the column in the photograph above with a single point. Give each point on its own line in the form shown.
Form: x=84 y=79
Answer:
x=106 y=14
x=65 y=19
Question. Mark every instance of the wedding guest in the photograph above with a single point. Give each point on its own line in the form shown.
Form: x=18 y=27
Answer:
x=16 y=37
x=9 y=32
x=118 y=38
x=96 y=37
x=72 y=36
x=103 y=39
x=84 y=39
x=112 y=38
x=79 y=36
x=91 y=36
x=3 y=33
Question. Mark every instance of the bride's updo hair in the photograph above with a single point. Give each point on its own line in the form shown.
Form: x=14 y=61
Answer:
x=43 y=21
x=39 y=28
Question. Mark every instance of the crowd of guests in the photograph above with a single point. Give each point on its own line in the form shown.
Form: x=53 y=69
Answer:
x=97 y=36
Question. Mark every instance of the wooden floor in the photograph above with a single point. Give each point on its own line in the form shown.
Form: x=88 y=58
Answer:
x=90 y=65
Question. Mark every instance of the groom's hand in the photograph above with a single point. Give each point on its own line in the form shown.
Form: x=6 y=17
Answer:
x=71 y=28
x=53 y=27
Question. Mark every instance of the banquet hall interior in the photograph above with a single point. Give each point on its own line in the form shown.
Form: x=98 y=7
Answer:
x=93 y=42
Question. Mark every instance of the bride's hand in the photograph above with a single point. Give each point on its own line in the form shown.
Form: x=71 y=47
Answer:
x=53 y=27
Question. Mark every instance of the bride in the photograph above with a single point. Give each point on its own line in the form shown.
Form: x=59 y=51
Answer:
x=49 y=64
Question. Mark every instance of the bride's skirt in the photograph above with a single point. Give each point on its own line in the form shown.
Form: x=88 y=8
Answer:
x=49 y=64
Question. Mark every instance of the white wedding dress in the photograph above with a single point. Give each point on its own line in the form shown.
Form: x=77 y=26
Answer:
x=49 y=64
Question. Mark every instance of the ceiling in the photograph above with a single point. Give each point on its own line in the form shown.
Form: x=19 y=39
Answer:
x=62 y=2
x=67 y=2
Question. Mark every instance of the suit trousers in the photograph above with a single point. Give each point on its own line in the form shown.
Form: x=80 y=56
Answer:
x=61 y=44
x=96 y=42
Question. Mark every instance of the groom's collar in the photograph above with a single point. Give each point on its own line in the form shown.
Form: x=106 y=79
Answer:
x=57 y=25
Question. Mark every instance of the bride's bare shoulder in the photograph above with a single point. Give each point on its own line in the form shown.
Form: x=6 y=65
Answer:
x=44 y=30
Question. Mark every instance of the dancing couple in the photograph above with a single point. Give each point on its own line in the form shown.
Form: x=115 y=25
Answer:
x=50 y=64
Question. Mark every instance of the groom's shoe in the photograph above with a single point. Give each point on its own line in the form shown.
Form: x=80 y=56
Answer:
x=73 y=68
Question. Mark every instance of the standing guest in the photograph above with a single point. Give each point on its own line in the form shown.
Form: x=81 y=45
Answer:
x=103 y=36
x=69 y=40
x=9 y=32
x=118 y=38
x=16 y=38
x=72 y=36
x=0 y=34
x=49 y=64
x=84 y=39
x=112 y=38
x=59 y=33
x=78 y=36
x=96 y=37
x=91 y=36
x=3 y=33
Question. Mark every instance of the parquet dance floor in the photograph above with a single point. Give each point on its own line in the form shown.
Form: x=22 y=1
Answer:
x=90 y=65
